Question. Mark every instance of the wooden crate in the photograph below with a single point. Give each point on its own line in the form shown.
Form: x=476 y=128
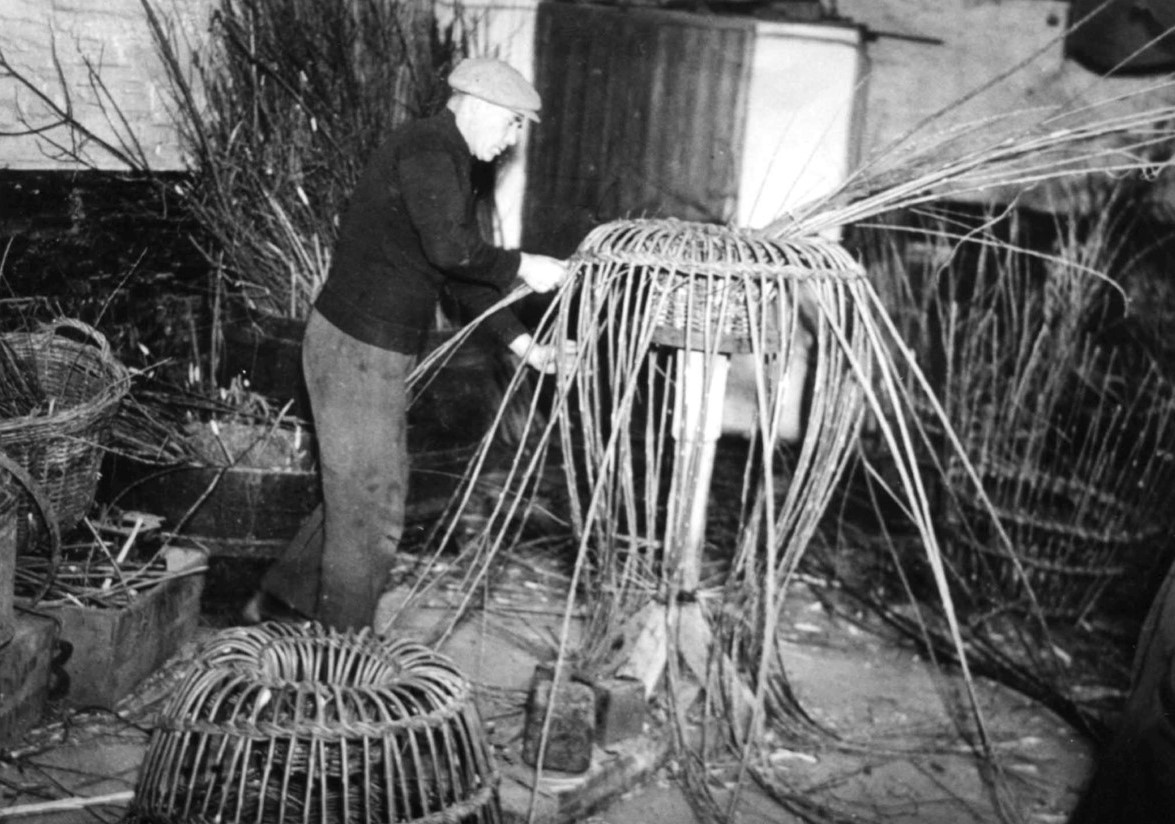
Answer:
x=25 y=663
x=113 y=650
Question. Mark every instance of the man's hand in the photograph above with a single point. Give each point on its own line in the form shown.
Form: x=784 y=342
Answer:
x=542 y=273
x=546 y=358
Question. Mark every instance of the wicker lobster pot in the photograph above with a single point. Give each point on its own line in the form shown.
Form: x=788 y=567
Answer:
x=303 y=724
x=81 y=384
x=1072 y=542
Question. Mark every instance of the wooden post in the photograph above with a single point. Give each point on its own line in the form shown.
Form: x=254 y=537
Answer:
x=697 y=424
x=699 y=390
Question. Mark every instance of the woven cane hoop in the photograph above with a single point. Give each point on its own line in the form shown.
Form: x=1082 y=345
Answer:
x=62 y=449
x=715 y=283
x=300 y=723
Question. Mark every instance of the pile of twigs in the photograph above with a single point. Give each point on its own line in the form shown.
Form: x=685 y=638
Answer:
x=99 y=574
x=98 y=585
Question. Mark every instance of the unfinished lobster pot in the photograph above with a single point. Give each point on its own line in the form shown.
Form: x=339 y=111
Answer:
x=676 y=322
x=1085 y=505
x=1073 y=541
x=299 y=723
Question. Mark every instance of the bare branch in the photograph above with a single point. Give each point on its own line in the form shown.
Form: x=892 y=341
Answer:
x=63 y=117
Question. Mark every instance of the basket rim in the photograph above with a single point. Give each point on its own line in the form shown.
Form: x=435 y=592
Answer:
x=115 y=384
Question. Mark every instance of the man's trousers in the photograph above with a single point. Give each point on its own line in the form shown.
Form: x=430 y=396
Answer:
x=337 y=566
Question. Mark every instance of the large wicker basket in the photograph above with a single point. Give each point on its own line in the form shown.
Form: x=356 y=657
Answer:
x=299 y=723
x=61 y=449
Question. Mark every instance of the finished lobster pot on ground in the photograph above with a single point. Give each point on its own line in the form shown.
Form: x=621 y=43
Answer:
x=299 y=723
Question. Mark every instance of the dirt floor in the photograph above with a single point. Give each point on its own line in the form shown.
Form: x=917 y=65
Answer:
x=898 y=743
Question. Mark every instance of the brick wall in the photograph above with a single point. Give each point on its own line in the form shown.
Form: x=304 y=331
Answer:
x=910 y=78
x=111 y=36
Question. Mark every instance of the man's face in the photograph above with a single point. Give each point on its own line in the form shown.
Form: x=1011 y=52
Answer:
x=495 y=129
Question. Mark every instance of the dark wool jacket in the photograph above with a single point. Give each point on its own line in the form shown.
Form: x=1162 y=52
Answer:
x=410 y=231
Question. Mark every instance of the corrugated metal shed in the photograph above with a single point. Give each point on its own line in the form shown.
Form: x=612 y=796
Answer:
x=644 y=114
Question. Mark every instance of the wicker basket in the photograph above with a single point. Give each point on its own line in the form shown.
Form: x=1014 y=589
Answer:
x=298 y=723
x=1072 y=542
x=62 y=450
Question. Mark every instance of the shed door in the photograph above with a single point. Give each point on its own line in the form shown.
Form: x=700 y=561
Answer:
x=643 y=116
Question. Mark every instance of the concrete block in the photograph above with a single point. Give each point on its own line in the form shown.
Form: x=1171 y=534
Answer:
x=620 y=710
x=572 y=731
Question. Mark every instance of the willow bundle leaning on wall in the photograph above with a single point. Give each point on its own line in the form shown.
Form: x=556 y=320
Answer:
x=286 y=100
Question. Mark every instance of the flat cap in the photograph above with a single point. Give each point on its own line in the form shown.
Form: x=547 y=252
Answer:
x=496 y=82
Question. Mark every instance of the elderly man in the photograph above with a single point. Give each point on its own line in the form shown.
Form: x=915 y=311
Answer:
x=409 y=234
